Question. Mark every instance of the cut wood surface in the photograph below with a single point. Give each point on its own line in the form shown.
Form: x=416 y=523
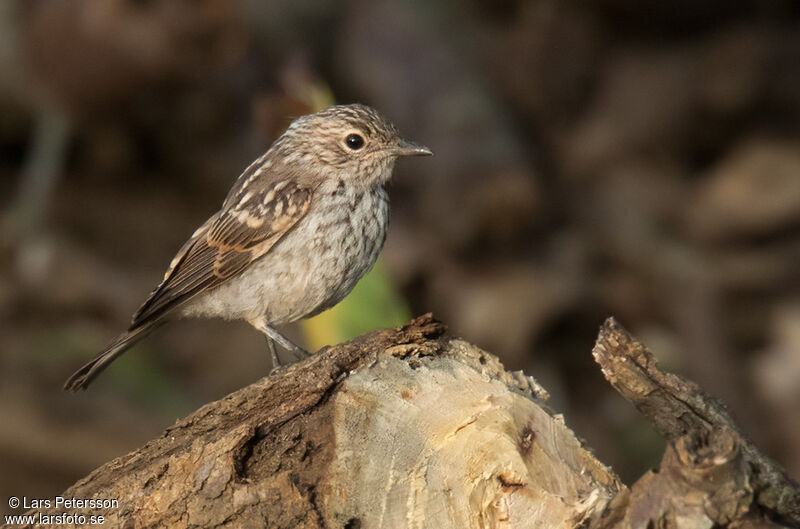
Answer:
x=412 y=428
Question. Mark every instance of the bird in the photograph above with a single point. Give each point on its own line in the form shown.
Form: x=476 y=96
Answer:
x=297 y=230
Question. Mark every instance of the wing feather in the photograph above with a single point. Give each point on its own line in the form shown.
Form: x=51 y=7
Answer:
x=227 y=244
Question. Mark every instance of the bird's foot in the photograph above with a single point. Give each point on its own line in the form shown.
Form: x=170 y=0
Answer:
x=273 y=337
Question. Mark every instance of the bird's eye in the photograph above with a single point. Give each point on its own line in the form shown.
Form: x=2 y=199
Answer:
x=354 y=141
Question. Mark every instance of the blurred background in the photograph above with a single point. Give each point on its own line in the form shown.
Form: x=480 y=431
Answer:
x=631 y=158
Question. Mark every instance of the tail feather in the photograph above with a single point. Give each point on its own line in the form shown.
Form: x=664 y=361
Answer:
x=81 y=379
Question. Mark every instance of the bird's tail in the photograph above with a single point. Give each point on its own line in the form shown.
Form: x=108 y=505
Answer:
x=81 y=379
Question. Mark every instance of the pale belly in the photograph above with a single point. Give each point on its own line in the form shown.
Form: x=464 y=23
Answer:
x=311 y=269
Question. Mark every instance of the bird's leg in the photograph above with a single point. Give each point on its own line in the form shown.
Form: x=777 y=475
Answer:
x=283 y=341
x=273 y=355
x=275 y=336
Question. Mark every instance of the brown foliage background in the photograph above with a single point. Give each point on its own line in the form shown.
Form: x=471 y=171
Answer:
x=640 y=159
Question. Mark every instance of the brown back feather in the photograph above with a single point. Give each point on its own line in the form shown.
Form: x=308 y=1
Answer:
x=227 y=244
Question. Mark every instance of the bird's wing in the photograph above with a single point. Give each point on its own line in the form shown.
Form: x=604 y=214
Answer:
x=245 y=230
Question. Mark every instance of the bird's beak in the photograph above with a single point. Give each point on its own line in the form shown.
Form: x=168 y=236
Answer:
x=407 y=148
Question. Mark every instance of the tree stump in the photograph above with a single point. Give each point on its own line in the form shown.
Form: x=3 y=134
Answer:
x=413 y=428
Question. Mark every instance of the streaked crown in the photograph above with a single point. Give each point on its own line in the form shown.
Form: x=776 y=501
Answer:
x=352 y=142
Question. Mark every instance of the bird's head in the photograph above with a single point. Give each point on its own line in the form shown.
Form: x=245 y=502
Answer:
x=349 y=142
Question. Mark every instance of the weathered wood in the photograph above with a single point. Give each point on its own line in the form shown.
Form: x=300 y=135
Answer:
x=711 y=474
x=399 y=428
x=410 y=427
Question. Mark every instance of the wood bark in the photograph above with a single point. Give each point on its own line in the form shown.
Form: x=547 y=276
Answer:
x=411 y=427
x=711 y=475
